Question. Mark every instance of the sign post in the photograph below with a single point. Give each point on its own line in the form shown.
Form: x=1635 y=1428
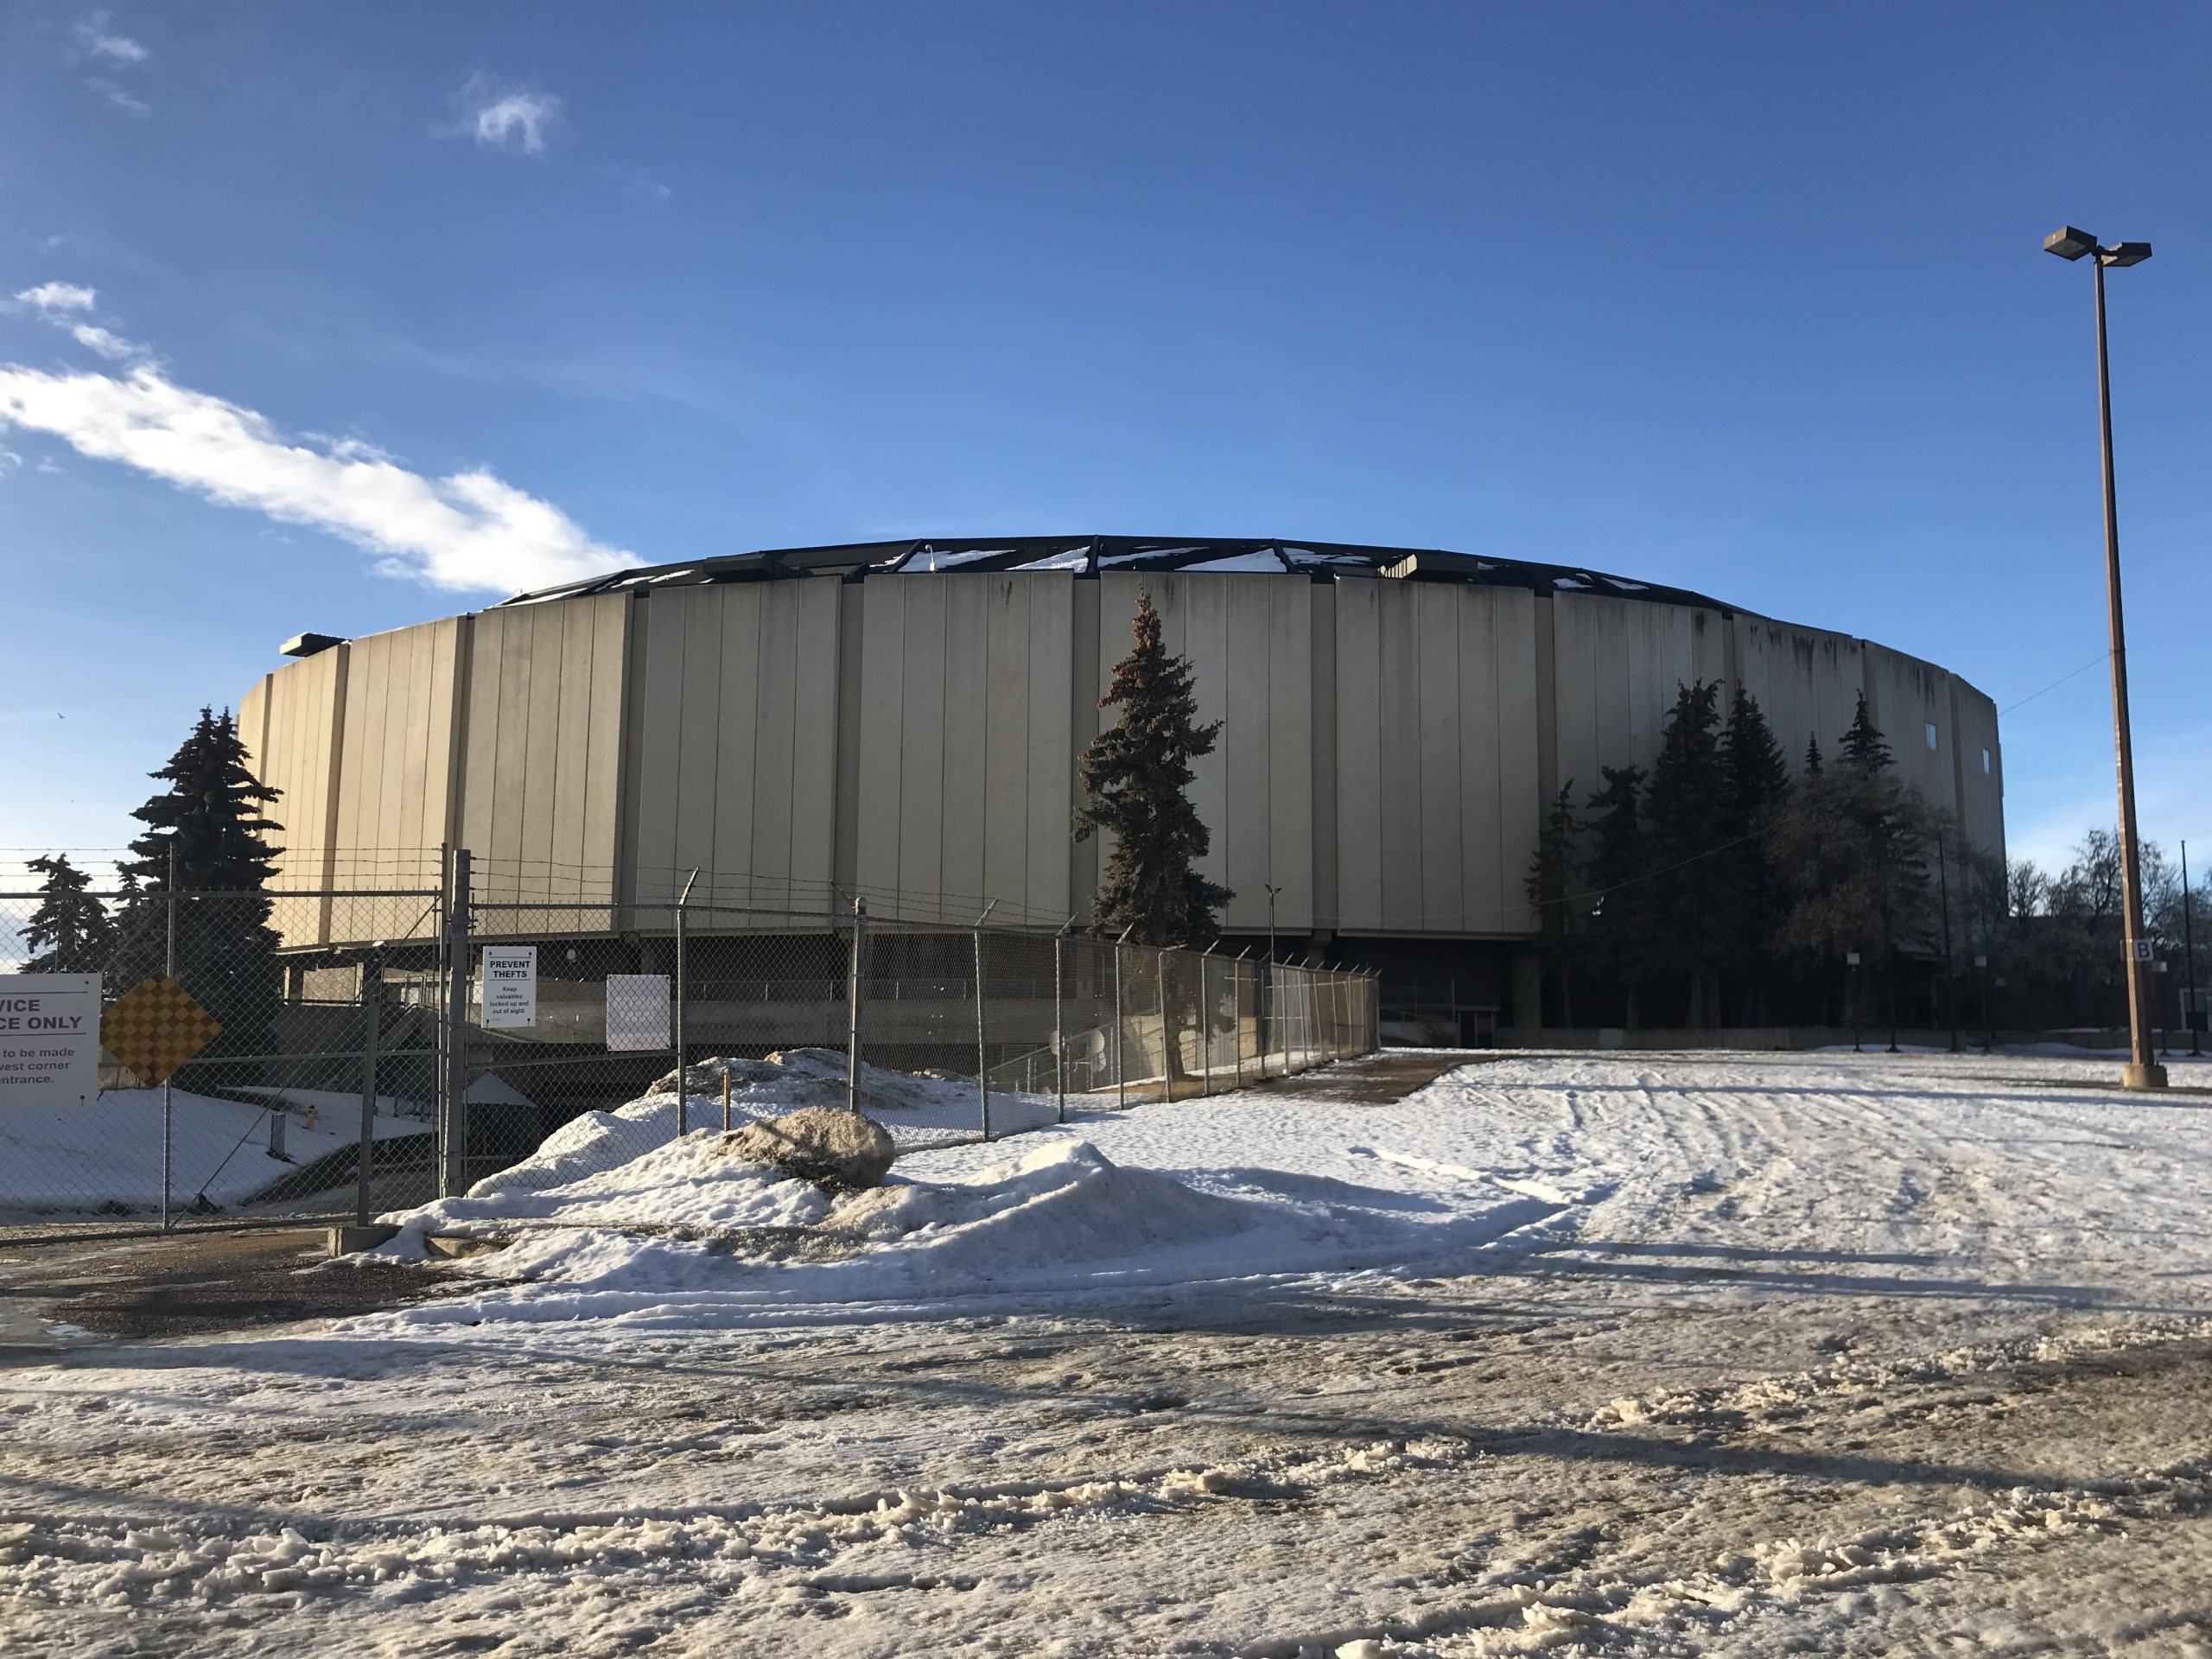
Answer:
x=49 y=1040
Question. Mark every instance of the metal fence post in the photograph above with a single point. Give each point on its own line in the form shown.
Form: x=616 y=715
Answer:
x=1236 y=1015
x=169 y=1111
x=1060 y=1020
x=853 y=1009
x=683 y=1082
x=371 y=1031
x=1121 y=1071
x=1167 y=1029
x=982 y=1056
x=1205 y=1020
x=454 y=1176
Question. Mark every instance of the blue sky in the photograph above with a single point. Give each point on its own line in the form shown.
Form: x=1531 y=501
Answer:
x=342 y=319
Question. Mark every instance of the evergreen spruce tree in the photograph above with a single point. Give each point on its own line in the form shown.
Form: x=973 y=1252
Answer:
x=1853 y=849
x=1862 y=744
x=1136 y=775
x=1550 y=888
x=210 y=817
x=1690 y=905
x=69 y=931
x=1613 y=876
x=1813 y=756
x=1758 y=784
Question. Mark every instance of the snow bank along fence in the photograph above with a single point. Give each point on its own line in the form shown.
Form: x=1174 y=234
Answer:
x=382 y=1044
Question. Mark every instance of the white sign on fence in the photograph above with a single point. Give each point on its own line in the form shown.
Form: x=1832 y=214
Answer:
x=636 y=1011
x=49 y=1040
x=510 y=987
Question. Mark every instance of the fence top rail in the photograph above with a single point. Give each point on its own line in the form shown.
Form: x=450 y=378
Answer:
x=150 y=894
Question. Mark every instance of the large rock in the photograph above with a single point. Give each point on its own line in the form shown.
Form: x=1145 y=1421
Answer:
x=827 y=1145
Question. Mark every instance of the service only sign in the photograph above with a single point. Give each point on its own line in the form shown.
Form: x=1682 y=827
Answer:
x=510 y=987
x=49 y=1040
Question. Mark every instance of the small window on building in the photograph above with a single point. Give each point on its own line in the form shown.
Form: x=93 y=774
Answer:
x=1931 y=733
x=1984 y=763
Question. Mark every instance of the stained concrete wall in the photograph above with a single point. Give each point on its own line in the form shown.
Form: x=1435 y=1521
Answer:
x=1386 y=746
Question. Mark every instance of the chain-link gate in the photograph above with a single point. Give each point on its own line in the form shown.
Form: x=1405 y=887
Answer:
x=371 y=1052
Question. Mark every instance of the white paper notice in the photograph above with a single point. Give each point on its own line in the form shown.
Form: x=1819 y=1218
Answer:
x=510 y=987
x=636 y=1011
x=49 y=1040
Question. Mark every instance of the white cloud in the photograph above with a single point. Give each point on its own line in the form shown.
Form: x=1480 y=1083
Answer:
x=9 y=461
x=130 y=103
x=467 y=531
x=504 y=116
x=58 y=296
x=106 y=343
x=101 y=41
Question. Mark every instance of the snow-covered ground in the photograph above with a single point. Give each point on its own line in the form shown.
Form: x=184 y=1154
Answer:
x=1621 y=1353
x=72 y=1160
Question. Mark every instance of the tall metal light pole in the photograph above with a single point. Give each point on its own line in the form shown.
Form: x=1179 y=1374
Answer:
x=2189 y=952
x=2141 y=1072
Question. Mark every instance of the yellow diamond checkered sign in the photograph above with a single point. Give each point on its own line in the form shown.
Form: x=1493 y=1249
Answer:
x=155 y=1027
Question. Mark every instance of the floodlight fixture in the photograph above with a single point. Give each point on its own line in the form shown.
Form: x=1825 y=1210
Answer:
x=2127 y=253
x=2070 y=244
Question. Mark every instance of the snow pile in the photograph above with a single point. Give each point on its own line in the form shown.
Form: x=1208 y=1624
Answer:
x=692 y=1187
x=1061 y=1220
x=924 y=1108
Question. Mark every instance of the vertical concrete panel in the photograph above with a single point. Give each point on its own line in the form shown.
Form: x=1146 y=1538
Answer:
x=543 y=805
x=1574 y=689
x=1248 y=862
x=1046 y=795
x=775 y=743
x=921 y=761
x=1321 y=645
x=737 y=726
x=1436 y=621
x=445 y=739
x=1910 y=695
x=602 y=775
x=814 y=755
x=698 y=613
x=852 y=605
x=480 y=760
x=1290 y=763
x=659 y=729
x=1480 y=708
x=966 y=682
x=1084 y=613
x=1521 y=798
x=1359 y=755
x=1399 y=741
x=1004 y=822
x=883 y=709
x=1200 y=609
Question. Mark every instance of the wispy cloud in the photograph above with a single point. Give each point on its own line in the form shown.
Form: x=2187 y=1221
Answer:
x=58 y=296
x=99 y=38
x=65 y=306
x=117 y=98
x=101 y=44
x=639 y=182
x=467 y=531
x=107 y=343
x=500 y=115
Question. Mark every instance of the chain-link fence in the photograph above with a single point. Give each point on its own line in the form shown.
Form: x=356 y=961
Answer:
x=379 y=1046
x=248 y=1081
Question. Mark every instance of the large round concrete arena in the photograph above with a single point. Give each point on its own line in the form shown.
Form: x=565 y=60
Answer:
x=901 y=721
